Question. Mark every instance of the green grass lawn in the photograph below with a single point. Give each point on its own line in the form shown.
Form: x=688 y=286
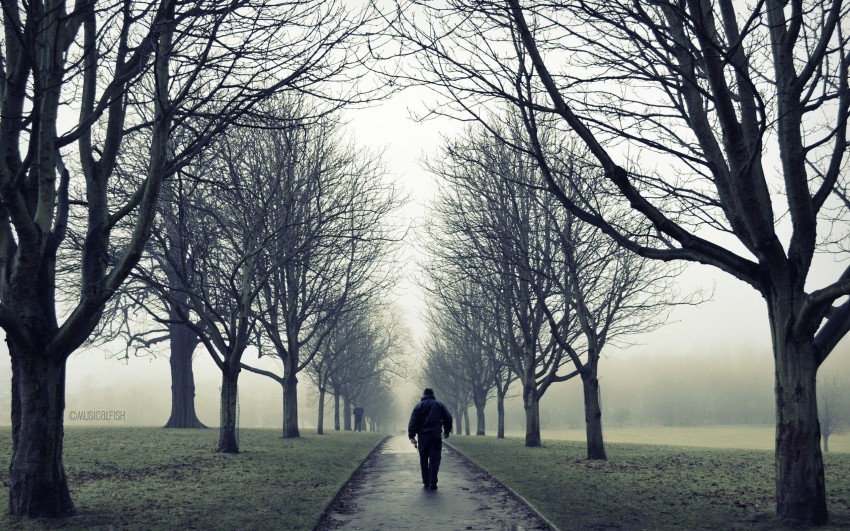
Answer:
x=151 y=478
x=648 y=486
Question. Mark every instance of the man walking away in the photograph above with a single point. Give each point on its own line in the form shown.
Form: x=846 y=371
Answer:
x=428 y=419
x=358 y=418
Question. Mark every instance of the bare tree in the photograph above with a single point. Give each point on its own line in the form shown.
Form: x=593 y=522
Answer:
x=142 y=318
x=590 y=290
x=332 y=254
x=77 y=84
x=213 y=284
x=438 y=372
x=338 y=352
x=503 y=240
x=464 y=327
x=684 y=106
x=832 y=407
x=368 y=380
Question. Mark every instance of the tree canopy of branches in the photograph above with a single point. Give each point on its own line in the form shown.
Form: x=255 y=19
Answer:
x=77 y=85
x=585 y=288
x=501 y=239
x=460 y=354
x=722 y=124
x=360 y=370
x=333 y=254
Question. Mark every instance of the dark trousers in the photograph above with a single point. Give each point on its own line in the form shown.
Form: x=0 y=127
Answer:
x=430 y=448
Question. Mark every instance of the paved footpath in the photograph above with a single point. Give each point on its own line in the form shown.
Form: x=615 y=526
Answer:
x=386 y=494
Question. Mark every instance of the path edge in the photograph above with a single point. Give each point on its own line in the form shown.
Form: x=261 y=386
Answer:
x=342 y=487
x=534 y=509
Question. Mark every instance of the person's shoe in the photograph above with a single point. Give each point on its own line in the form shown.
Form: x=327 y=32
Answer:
x=426 y=486
x=434 y=487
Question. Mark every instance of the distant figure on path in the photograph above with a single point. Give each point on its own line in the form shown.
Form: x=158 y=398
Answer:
x=358 y=418
x=429 y=418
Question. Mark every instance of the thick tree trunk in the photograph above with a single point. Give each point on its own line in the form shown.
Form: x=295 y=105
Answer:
x=183 y=343
x=336 y=411
x=290 y=406
x=38 y=486
x=320 y=422
x=500 y=410
x=227 y=442
x=800 y=488
x=480 y=428
x=531 y=404
x=593 y=417
x=466 y=420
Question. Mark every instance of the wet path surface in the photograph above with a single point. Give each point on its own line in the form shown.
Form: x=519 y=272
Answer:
x=386 y=493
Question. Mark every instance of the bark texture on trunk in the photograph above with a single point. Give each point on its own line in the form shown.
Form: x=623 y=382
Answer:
x=531 y=404
x=800 y=486
x=290 y=406
x=38 y=486
x=593 y=417
x=227 y=441
x=183 y=343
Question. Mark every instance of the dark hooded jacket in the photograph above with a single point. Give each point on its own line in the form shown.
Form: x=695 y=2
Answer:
x=428 y=418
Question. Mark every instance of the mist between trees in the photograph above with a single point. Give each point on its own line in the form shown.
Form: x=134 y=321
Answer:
x=173 y=170
x=687 y=388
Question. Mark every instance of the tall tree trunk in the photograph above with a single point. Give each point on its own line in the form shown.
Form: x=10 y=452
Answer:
x=320 y=422
x=593 y=416
x=800 y=488
x=183 y=343
x=479 y=417
x=290 y=405
x=346 y=410
x=336 y=410
x=500 y=410
x=825 y=443
x=227 y=442
x=466 y=420
x=38 y=486
x=531 y=404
